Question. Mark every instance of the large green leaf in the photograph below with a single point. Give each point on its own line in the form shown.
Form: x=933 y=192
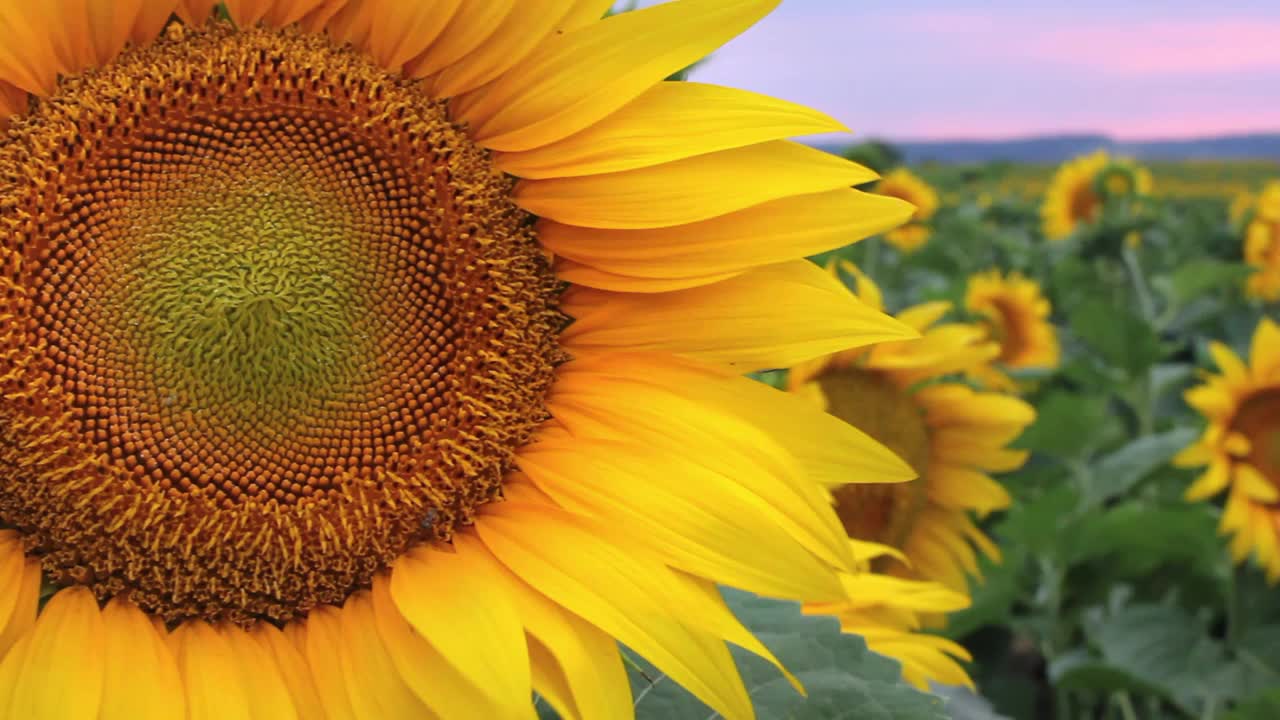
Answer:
x=1067 y=424
x=1164 y=649
x=1116 y=333
x=844 y=679
x=1135 y=538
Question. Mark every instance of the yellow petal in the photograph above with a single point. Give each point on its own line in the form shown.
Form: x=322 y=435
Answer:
x=436 y=683
x=373 y=683
x=670 y=121
x=269 y=697
x=195 y=12
x=1265 y=352
x=954 y=404
x=770 y=317
x=1211 y=482
x=690 y=190
x=867 y=289
x=587 y=660
x=322 y=647
x=832 y=452
x=293 y=671
x=618 y=591
x=695 y=519
x=1233 y=369
x=643 y=400
x=472 y=23
x=962 y=488
x=775 y=231
x=63 y=667
x=19 y=589
x=151 y=19
x=1212 y=400
x=28 y=59
x=403 y=29
x=518 y=34
x=211 y=676
x=141 y=680
x=578 y=78
x=575 y=272
x=1254 y=484
x=448 y=598
x=585 y=12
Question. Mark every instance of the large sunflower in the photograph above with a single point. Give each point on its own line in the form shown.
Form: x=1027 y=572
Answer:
x=1080 y=188
x=377 y=359
x=1240 y=449
x=1015 y=314
x=904 y=184
x=1262 y=245
x=951 y=434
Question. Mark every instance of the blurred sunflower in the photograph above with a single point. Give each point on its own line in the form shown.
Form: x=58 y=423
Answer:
x=1080 y=187
x=904 y=184
x=290 y=383
x=1262 y=245
x=1016 y=316
x=951 y=434
x=1241 y=446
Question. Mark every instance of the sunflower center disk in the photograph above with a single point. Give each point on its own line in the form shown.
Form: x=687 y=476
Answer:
x=1258 y=419
x=269 y=318
x=879 y=512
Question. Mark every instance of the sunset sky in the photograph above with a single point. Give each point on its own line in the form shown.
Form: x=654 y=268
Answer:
x=916 y=69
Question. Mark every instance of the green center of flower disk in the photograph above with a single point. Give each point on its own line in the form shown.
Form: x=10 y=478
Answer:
x=269 y=319
x=880 y=512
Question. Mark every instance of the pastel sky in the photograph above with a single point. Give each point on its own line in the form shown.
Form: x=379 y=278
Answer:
x=915 y=69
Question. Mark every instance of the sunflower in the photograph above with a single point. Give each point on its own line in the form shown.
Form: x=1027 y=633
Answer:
x=950 y=434
x=1080 y=188
x=370 y=359
x=1016 y=316
x=1240 y=448
x=1262 y=245
x=904 y=184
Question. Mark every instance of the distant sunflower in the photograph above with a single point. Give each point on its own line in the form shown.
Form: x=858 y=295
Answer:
x=1262 y=245
x=951 y=434
x=1080 y=187
x=1240 y=449
x=904 y=184
x=1016 y=316
x=340 y=419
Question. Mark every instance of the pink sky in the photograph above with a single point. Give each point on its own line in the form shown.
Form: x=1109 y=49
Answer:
x=960 y=69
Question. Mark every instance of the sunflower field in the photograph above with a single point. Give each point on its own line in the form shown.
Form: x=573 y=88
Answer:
x=465 y=360
x=1133 y=562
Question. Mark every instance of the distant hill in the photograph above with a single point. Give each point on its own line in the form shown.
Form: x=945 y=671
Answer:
x=1056 y=148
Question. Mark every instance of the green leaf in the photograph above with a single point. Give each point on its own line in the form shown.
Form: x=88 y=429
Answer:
x=1078 y=669
x=1134 y=539
x=1198 y=277
x=1115 y=474
x=1165 y=649
x=1067 y=424
x=1265 y=706
x=843 y=678
x=1122 y=338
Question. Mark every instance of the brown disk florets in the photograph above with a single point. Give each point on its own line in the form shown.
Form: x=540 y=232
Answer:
x=266 y=318
x=879 y=512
